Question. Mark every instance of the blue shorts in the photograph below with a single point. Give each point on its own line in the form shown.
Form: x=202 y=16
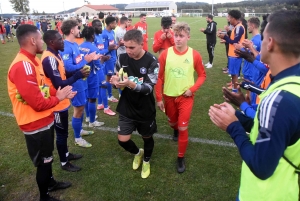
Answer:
x=79 y=99
x=109 y=67
x=234 y=65
x=93 y=93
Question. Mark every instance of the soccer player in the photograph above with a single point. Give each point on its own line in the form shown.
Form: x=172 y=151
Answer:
x=92 y=81
x=237 y=36
x=270 y=153
x=110 y=44
x=137 y=104
x=9 y=35
x=142 y=26
x=33 y=110
x=55 y=76
x=120 y=35
x=73 y=61
x=211 y=38
x=102 y=96
x=129 y=26
x=176 y=86
x=164 y=38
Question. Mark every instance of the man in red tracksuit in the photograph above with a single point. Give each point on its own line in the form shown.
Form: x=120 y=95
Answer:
x=164 y=38
x=142 y=26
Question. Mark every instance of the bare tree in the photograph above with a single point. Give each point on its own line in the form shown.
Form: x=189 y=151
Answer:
x=20 y=6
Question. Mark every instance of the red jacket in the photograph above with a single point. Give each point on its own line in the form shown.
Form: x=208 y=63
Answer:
x=159 y=44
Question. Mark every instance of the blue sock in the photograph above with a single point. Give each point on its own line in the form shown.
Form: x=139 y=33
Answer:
x=109 y=89
x=99 y=97
x=77 y=126
x=104 y=97
x=81 y=118
x=92 y=111
x=86 y=108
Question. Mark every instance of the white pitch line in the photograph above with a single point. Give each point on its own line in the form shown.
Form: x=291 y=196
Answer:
x=157 y=135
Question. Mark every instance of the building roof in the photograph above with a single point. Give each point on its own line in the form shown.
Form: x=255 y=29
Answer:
x=148 y=4
x=101 y=7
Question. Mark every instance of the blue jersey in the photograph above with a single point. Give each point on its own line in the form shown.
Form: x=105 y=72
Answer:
x=249 y=71
x=99 y=42
x=73 y=61
x=7 y=27
x=109 y=39
x=260 y=71
x=92 y=80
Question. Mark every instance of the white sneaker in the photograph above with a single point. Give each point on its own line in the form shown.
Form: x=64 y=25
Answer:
x=96 y=124
x=113 y=99
x=83 y=143
x=87 y=119
x=209 y=66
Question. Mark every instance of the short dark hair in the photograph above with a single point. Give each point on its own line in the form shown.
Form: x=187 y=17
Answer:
x=49 y=35
x=94 y=22
x=67 y=25
x=284 y=27
x=123 y=20
x=255 y=21
x=88 y=32
x=210 y=16
x=166 y=22
x=236 y=14
x=24 y=30
x=134 y=35
x=129 y=19
x=142 y=15
x=109 y=20
x=101 y=15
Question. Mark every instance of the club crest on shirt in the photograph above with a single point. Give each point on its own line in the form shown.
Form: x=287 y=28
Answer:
x=143 y=70
x=66 y=56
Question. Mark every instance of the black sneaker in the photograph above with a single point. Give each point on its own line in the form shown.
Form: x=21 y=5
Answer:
x=175 y=135
x=70 y=167
x=180 y=164
x=59 y=185
x=49 y=198
x=74 y=156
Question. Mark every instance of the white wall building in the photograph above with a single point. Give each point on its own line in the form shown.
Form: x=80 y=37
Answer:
x=152 y=6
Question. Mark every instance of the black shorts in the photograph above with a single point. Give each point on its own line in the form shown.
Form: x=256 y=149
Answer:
x=145 y=128
x=40 y=146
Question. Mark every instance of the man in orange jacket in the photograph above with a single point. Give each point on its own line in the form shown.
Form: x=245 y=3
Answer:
x=33 y=106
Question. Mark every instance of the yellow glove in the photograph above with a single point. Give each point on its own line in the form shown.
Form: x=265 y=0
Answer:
x=45 y=90
x=86 y=67
x=19 y=98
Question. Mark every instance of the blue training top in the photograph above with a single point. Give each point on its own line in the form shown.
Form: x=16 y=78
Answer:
x=73 y=61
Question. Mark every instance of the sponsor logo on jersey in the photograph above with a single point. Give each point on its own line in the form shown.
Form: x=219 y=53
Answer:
x=143 y=70
x=66 y=56
x=78 y=59
x=100 y=46
x=111 y=42
x=136 y=79
x=84 y=49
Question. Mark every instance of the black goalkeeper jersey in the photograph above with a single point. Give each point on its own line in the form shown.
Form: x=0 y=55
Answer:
x=140 y=105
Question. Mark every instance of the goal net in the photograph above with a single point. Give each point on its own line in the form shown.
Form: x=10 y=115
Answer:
x=191 y=12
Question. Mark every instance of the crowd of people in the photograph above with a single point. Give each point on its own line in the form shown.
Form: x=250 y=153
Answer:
x=84 y=66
